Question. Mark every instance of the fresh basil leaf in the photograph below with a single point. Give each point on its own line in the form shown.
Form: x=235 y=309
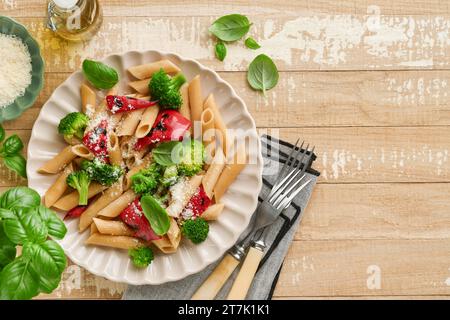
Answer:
x=231 y=27
x=163 y=153
x=99 y=74
x=20 y=197
x=48 y=258
x=7 y=248
x=221 y=51
x=12 y=145
x=16 y=163
x=2 y=133
x=48 y=284
x=27 y=226
x=56 y=227
x=252 y=44
x=18 y=280
x=262 y=73
x=6 y=214
x=156 y=215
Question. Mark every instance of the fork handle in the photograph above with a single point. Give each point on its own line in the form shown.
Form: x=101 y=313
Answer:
x=246 y=274
x=212 y=285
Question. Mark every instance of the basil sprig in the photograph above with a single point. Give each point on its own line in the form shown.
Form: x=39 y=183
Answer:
x=10 y=152
x=99 y=74
x=262 y=73
x=24 y=221
x=155 y=214
x=231 y=27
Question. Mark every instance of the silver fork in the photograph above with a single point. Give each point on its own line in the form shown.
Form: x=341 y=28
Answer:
x=283 y=192
x=279 y=199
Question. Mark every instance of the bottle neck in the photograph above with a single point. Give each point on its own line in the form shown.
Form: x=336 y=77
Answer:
x=67 y=5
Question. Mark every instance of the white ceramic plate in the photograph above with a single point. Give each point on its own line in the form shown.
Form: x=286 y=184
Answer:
x=240 y=200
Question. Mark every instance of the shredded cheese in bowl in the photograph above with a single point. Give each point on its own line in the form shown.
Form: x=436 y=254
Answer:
x=15 y=69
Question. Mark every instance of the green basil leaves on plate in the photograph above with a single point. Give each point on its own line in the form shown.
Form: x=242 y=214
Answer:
x=99 y=74
x=231 y=27
x=262 y=73
x=220 y=50
x=164 y=154
x=156 y=215
x=251 y=43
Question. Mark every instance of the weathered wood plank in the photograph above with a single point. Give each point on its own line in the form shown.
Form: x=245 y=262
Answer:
x=314 y=99
x=348 y=268
x=374 y=211
x=139 y=8
x=314 y=42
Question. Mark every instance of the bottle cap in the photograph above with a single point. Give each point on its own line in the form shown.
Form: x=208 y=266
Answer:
x=65 y=4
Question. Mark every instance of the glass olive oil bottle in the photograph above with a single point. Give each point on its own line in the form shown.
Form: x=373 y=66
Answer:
x=74 y=20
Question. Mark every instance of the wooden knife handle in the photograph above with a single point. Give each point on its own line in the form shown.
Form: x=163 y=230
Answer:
x=246 y=275
x=209 y=289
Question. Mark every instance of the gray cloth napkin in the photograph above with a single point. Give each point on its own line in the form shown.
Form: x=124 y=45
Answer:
x=265 y=280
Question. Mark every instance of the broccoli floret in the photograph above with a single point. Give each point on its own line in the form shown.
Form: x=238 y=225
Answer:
x=192 y=158
x=103 y=173
x=141 y=257
x=80 y=181
x=166 y=90
x=195 y=229
x=73 y=125
x=146 y=180
x=170 y=176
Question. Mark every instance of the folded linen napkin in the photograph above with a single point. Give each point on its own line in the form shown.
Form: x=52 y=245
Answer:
x=278 y=241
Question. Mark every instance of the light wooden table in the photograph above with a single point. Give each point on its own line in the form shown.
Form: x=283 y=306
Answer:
x=367 y=81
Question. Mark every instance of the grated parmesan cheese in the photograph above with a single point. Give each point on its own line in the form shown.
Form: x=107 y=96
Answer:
x=15 y=69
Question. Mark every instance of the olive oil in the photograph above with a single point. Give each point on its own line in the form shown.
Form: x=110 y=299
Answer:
x=74 y=20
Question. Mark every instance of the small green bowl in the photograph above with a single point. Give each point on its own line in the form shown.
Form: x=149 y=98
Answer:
x=15 y=109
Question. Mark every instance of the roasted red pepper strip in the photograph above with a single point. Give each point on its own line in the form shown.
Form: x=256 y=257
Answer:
x=197 y=205
x=170 y=125
x=117 y=104
x=96 y=140
x=134 y=217
x=75 y=212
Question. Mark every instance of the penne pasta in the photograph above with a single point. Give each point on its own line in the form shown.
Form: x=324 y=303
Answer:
x=113 y=209
x=58 y=188
x=213 y=173
x=213 y=212
x=93 y=229
x=174 y=234
x=140 y=86
x=208 y=134
x=164 y=245
x=88 y=98
x=145 y=162
x=82 y=151
x=185 y=108
x=145 y=71
x=118 y=242
x=229 y=174
x=221 y=129
x=70 y=200
x=115 y=154
x=147 y=121
x=113 y=228
x=195 y=99
x=182 y=192
x=93 y=209
x=129 y=123
x=59 y=162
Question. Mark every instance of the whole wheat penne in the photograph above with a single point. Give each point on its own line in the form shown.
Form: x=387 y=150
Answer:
x=101 y=202
x=145 y=162
x=208 y=134
x=185 y=108
x=129 y=123
x=145 y=71
x=213 y=212
x=195 y=99
x=113 y=209
x=113 y=227
x=88 y=98
x=115 y=154
x=213 y=173
x=219 y=124
x=119 y=242
x=82 y=151
x=70 y=200
x=147 y=121
x=174 y=233
x=140 y=86
x=182 y=192
x=93 y=228
x=164 y=245
x=58 y=188
x=59 y=162
x=230 y=173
